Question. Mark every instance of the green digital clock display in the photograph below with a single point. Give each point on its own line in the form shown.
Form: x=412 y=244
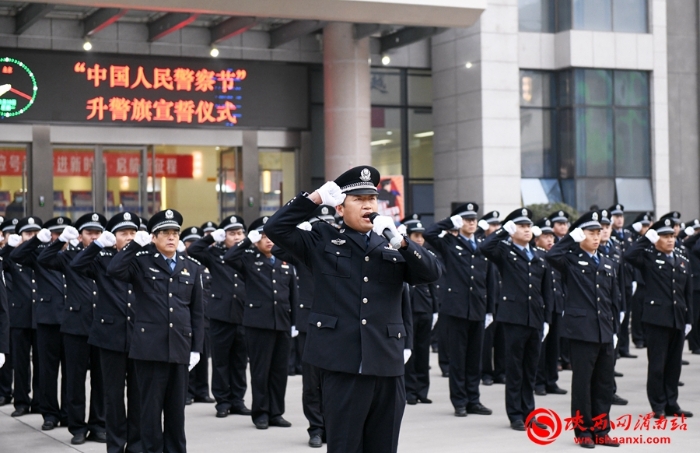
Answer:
x=17 y=87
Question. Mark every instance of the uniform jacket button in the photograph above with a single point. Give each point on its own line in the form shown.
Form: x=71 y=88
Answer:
x=142 y=329
x=318 y=324
x=364 y=321
x=171 y=309
x=171 y=324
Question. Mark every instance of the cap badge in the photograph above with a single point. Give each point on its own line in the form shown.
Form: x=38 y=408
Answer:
x=169 y=214
x=59 y=221
x=127 y=216
x=265 y=220
x=548 y=222
x=619 y=208
x=495 y=214
x=524 y=212
x=194 y=230
x=233 y=219
x=324 y=210
x=14 y=221
x=667 y=222
x=419 y=225
x=561 y=213
x=30 y=221
x=604 y=213
x=594 y=216
x=365 y=175
x=95 y=217
x=414 y=216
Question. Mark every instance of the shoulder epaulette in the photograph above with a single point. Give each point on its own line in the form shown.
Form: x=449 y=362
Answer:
x=192 y=259
x=143 y=252
x=249 y=251
x=541 y=249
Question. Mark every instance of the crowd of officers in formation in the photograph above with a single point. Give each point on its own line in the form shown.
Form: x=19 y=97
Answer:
x=502 y=300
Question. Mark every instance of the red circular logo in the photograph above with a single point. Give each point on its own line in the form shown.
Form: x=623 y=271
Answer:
x=551 y=421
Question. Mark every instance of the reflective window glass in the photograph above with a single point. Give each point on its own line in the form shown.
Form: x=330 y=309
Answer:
x=420 y=143
x=536 y=89
x=632 y=143
x=635 y=194
x=632 y=88
x=536 y=15
x=537 y=153
x=420 y=89
x=593 y=87
x=590 y=191
x=386 y=140
x=594 y=142
x=630 y=16
x=385 y=86
x=593 y=15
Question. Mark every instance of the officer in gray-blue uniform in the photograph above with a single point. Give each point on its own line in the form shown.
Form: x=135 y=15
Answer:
x=356 y=331
x=168 y=331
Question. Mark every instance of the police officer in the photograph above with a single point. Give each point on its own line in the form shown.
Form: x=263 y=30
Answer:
x=49 y=313
x=488 y=224
x=269 y=320
x=590 y=320
x=209 y=227
x=667 y=313
x=4 y=326
x=225 y=312
x=23 y=339
x=356 y=331
x=638 y=228
x=80 y=355
x=191 y=234
x=7 y=227
x=168 y=331
x=525 y=309
x=468 y=304
x=560 y=224
x=110 y=332
x=692 y=231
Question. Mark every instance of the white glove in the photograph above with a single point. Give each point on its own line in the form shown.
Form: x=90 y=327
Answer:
x=545 y=331
x=218 y=235
x=14 y=240
x=457 y=221
x=254 y=236
x=330 y=194
x=384 y=222
x=401 y=229
x=304 y=226
x=622 y=316
x=614 y=340
x=577 y=235
x=44 y=235
x=181 y=247
x=295 y=332
x=488 y=320
x=634 y=287
x=74 y=242
x=2 y=359
x=689 y=231
x=106 y=239
x=536 y=231
x=688 y=328
x=652 y=235
x=142 y=238
x=483 y=224
x=509 y=227
x=406 y=355
x=194 y=360
x=435 y=319
x=637 y=226
x=69 y=233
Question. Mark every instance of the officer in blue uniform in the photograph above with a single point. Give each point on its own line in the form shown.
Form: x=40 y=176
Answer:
x=111 y=329
x=7 y=227
x=356 y=331
x=168 y=333
x=224 y=309
x=49 y=313
x=467 y=304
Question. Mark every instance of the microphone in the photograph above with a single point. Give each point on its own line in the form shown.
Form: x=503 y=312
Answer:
x=393 y=239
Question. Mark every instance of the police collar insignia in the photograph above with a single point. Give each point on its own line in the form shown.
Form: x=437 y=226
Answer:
x=338 y=241
x=365 y=175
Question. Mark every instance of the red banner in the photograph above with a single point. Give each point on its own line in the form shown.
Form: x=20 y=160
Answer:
x=77 y=163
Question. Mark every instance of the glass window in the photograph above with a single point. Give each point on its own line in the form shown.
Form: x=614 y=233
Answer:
x=385 y=86
x=593 y=15
x=632 y=143
x=565 y=88
x=422 y=195
x=635 y=194
x=420 y=143
x=563 y=14
x=600 y=191
x=386 y=140
x=536 y=89
x=593 y=87
x=630 y=16
x=540 y=191
x=316 y=88
x=565 y=143
x=277 y=178
x=537 y=158
x=420 y=89
x=632 y=88
x=594 y=142
x=536 y=15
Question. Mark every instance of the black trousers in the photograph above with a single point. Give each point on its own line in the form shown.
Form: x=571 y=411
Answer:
x=268 y=351
x=547 y=371
x=24 y=359
x=493 y=357
x=81 y=357
x=443 y=338
x=311 y=394
x=637 y=305
x=122 y=423
x=51 y=357
x=198 y=386
x=592 y=367
x=229 y=360
x=694 y=335
x=362 y=413
x=466 y=340
x=417 y=375
x=6 y=376
x=162 y=390
x=664 y=352
x=522 y=356
x=623 y=342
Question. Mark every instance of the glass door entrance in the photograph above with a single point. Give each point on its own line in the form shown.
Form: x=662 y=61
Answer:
x=278 y=176
x=228 y=187
x=13 y=180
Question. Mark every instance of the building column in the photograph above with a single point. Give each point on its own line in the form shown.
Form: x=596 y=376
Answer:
x=40 y=174
x=250 y=176
x=346 y=99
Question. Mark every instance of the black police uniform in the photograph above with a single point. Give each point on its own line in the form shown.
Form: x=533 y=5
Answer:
x=7 y=228
x=470 y=290
x=268 y=317
x=636 y=304
x=589 y=320
x=667 y=310
x=168 y=326
x=526 y=304
x=51 y=295
x=111 y=330
x=4 y=324
x=356 y=331
x=21 y=292
x=80 y=355
x=225 y=312
x=624 y=239
x=689 y=243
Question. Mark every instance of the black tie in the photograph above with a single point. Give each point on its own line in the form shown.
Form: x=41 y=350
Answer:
x=170 y=262
x=596 y=260
x=366 y=240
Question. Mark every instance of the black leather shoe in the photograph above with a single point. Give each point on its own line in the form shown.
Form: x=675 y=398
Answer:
x=556 y=391
x=681 y=383
x=517 y=425
x=424 y=400
x=411 y=401
x=222 y=414
x=499 y=380
x=618 y=401
x=97 y=436
x=538 y=424
x=262 y=423
x=188 y=401
x=48 y=425
x=487 y=380
x=639 y=344
x=78 y=439
x=658 y=414
x=678 y=413
x=696 y=352
x=240 y=410
x=5 y=400
x=460 y=411
x=540 y=392
x=445 y=374
x=627 y=355
x=315 y=441
x=585 y=442
x=478 y=409
x=606 y=441
x=206 y=399
x=280 y=422
x=618 y=374
x=685 y=362
x=20 y=412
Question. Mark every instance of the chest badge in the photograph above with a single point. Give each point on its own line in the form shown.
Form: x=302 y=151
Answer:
x=185 y=272
x=153 y=270
x=258 y=263
x=338 y=241
x=459 y=247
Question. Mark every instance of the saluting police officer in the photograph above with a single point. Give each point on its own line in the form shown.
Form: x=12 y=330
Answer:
x=667 y=313
x=692 y=232
x=590 y=321
x=560 y=224
x=638 y=228
x=468 y=304
x=623 y=239
x=7 y=227
x=225 y=312
x=23 y=338
x=49 y=313
x=111 y=330
x=4 y=325
x=356 y=330
x=168 y=333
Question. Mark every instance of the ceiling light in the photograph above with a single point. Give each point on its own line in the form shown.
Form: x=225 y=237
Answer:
x=468 y=65
x=424 y=134
x=386 y=60
x=214 y=52
x=380 y=142
x=87 y=46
